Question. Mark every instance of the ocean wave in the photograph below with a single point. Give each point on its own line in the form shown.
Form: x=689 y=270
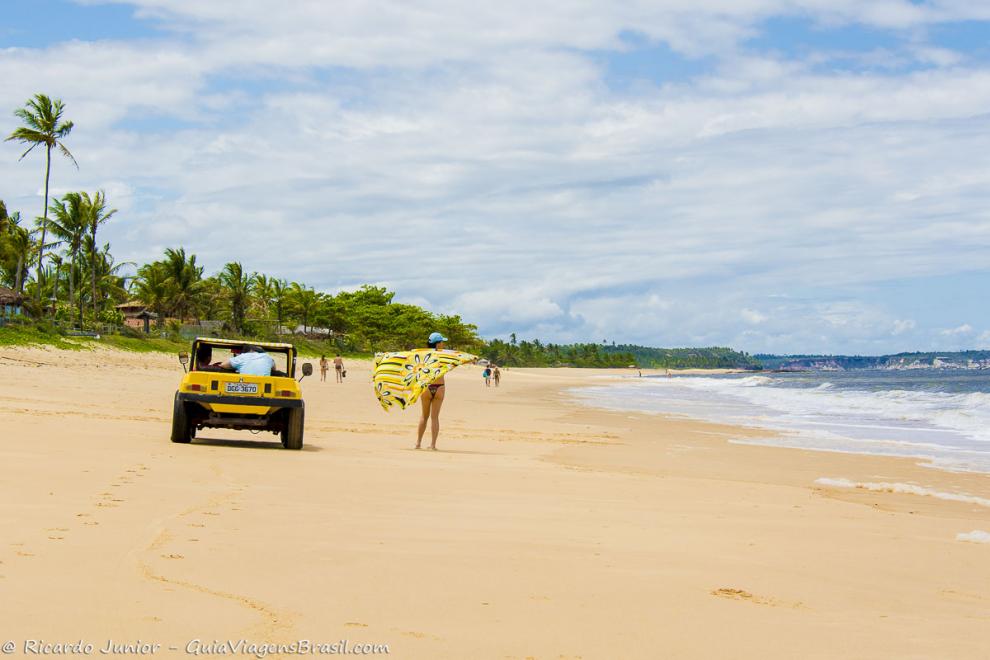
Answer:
x=949 y=430
x=967 y=413
x=755 y=381
x=909 y=489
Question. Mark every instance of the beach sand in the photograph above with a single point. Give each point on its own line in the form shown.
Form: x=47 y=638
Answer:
x=541 y=529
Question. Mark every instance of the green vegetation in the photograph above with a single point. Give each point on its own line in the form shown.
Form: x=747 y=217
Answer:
x=536 y=354
x=141 y=344
x=35 y=335
x=715 y=357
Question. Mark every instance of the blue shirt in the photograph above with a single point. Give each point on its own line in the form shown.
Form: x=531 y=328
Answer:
x=253 y=364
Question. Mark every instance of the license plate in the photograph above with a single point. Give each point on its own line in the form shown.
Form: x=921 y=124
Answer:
x=241 y=388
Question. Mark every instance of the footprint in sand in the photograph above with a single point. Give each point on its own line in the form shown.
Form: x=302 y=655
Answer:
x=172 y=556
x=741 y=594
x=56 y=538
x=356 y=624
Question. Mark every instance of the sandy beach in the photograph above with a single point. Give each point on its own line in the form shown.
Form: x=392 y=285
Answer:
x=541 y=529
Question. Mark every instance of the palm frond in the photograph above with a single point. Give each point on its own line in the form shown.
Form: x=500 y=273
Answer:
x=68 y=154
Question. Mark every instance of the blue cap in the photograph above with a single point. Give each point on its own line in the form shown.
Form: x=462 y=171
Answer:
x=436 y=337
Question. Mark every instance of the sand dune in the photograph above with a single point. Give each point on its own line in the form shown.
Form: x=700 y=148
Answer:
x=540 y=529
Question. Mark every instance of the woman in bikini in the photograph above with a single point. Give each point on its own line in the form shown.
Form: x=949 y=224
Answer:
x=432 y=400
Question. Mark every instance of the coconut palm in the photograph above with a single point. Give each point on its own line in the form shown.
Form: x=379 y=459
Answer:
x=43 y=125
x=238 y=285
x=109 y=282
x=152 y=288
x=69 y=225
x=96 y=214
x=305 y=302
x=185 y=281
x=279 y=300
x=16 y=249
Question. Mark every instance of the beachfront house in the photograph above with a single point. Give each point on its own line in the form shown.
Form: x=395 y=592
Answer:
x=11 y=303
x=137 y=315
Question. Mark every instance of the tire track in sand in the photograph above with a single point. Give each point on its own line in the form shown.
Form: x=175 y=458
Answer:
x=273 y=621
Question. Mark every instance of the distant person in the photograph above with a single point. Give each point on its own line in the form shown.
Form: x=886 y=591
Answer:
x=432 y=399
x=251 y=361
x=496 y=374
x=324 y=367
x=338 y=366
x=487 y=375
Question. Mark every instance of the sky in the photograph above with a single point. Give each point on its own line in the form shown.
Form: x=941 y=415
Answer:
x=785 y=176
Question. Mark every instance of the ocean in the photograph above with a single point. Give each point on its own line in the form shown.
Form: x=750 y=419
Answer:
x=939 y=416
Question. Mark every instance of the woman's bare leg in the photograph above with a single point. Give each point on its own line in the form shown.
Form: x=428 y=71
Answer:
x=435 y=417
x=424 y=402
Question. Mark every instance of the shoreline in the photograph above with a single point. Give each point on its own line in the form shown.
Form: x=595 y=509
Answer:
x=775 y=432
x=541 y=527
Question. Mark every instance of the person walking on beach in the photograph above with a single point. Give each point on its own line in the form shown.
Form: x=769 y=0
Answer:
x=432 y=400
x=324 y=366
x=496 y=374
x=487 y=375
x=338 y=366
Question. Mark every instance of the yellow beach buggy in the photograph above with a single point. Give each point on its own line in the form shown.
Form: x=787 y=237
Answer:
x=211 y=396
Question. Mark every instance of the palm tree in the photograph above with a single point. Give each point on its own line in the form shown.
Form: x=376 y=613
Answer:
x=305 y=301
x=280 y=294
x=96 y=214
x=110 y=283
x=19 y=248
x=239 y=285
x=152 y=288
x=43 y=124
x=69 y=225
x=185 y=281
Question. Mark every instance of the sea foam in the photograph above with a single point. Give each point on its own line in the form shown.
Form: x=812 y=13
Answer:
x=976 y=536
x=949 y=430
x=909 y=489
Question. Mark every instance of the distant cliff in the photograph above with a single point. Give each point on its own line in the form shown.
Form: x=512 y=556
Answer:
x=906 y=361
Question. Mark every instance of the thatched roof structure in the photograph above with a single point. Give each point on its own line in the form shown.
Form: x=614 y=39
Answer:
x=10 y=297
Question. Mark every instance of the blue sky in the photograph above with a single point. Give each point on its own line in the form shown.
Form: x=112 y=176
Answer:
x=774 y=175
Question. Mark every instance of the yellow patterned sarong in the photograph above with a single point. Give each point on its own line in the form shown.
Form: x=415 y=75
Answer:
x=400 y=378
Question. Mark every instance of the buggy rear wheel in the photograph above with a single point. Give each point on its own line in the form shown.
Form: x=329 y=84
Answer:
x=181 y=429
x=292 y=432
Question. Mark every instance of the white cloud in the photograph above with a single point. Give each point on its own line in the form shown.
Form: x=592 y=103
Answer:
x=964 y=329
x=480 y=162
x=752 y=316
x=903 y=325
